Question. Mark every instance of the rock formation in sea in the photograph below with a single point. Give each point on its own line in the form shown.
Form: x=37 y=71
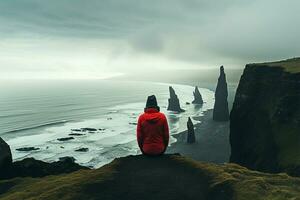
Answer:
x=265 y=118
x=190 y=132
x=76 y=134
x=197 y=97
x=5 y=156
x=65 y=138
x=27 y=149
x=82 y=149
x=174 y=104
x=167 y=177
x=221 y=111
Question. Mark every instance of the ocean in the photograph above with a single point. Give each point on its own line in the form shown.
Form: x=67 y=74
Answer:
x=37 y=113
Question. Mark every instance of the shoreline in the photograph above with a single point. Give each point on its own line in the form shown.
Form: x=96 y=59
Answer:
x=47 y=144
x=212 y=141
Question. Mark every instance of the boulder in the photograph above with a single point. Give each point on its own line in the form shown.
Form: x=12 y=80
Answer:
x=174 y=104
x=221 y=111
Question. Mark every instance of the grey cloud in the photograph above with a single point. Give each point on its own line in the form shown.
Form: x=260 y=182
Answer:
x=201 y=32
x=105 y=16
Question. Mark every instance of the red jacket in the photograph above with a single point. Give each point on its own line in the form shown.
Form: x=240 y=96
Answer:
x=152 y=132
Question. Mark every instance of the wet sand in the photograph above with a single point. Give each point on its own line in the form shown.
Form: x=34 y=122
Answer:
x=212 y=141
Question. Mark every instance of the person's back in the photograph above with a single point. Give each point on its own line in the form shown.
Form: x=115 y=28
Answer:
x=152 y=129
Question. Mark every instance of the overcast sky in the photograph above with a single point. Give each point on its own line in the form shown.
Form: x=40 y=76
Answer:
x=103 y=38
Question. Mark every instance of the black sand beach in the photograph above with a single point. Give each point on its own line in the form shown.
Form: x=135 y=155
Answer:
x=212 y=141
x=212 y=138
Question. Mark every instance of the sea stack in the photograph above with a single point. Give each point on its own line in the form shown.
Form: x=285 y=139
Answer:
x=174 y=104
x=5 y=157
x=197 y=97
x=191 y=132
x=221 y=111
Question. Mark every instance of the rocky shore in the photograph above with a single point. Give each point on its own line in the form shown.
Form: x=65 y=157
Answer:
x=30 y=167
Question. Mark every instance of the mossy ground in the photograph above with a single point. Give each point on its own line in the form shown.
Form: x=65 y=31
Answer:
x=289 y=65
x=288 y=143
x=166 y=177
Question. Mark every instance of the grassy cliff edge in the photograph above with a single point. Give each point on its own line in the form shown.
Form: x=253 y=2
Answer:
x=290 y=65
x=166 y=177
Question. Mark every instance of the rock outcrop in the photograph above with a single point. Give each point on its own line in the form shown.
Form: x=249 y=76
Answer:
x=168 y=177
x=27 y=149
x=174 y=104
x=197 y=97
x=5 y=156
x=65 y=139
x=30 y=167
x=265 y=119
x=221 y=111
x=190 y=132
x=82 y=149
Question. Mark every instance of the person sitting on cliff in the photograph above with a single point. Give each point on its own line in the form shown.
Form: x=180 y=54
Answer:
x=152 y=129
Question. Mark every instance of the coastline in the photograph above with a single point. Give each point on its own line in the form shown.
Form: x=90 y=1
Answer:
x=212 y=141
x=116 y=125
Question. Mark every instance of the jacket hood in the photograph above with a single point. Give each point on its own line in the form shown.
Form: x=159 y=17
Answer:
x=152 y=119
x=152 y=116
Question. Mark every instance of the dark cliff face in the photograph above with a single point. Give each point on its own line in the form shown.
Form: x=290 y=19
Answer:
x=174 y=104
x=221 y=111
x=265 y=120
